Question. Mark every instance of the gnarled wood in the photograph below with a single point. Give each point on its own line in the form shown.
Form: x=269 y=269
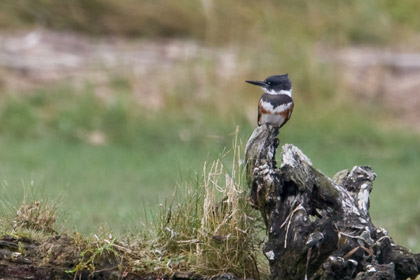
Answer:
x=318 y=227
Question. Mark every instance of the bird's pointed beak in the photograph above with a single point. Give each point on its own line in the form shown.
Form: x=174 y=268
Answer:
x=257 y=83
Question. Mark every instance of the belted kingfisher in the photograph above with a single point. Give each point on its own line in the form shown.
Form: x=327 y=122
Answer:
x=276 y=104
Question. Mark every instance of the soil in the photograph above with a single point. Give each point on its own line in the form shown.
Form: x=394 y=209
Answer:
x=55 y=258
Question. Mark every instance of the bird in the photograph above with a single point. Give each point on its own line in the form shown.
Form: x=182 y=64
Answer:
x=275 y=106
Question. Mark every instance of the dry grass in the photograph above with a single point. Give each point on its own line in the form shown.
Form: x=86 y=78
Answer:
x=37 y=215
x=34 y=216
x=212 y=228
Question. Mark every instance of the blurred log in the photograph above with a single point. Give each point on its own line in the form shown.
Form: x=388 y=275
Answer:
x=319 y=228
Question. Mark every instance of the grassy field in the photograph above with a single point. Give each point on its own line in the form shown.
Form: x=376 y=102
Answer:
x=144 y=159
x=111 y=162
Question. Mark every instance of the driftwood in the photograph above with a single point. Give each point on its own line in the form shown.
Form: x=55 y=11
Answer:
x=319 y=228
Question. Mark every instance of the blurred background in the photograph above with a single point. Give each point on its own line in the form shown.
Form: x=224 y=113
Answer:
x=107 y=105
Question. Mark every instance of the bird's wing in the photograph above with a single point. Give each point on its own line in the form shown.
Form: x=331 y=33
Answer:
x=259 y=112
x=291 y=110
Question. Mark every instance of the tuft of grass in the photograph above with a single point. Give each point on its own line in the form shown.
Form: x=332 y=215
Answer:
x=212 y=229
x=96 y=251
x=37 y=215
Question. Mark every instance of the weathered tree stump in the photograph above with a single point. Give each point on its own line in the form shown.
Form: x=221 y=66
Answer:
x=319 y=228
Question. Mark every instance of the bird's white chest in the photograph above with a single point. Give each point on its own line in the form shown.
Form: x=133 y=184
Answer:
x=276 y=120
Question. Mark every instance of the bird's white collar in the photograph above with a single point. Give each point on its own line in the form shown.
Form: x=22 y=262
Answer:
x=273 y=92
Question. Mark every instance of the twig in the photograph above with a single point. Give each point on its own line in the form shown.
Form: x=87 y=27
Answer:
x=289 y=220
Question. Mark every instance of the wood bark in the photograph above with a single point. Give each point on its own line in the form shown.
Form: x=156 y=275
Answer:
x=318 y=227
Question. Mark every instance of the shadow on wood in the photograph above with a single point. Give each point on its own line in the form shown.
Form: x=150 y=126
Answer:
x=319 y=228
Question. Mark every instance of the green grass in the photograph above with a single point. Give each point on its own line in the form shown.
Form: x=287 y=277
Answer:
x=112 y=184
x=103 y=184
x=98 y=184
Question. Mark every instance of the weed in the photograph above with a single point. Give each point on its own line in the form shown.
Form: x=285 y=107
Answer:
x=33 y=215
x=97 y=251
x=36 y=215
